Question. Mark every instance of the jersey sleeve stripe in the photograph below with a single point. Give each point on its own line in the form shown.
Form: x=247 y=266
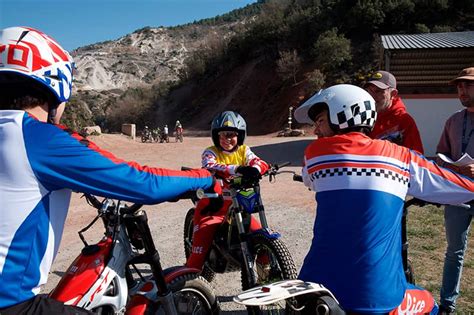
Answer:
x=152 y=170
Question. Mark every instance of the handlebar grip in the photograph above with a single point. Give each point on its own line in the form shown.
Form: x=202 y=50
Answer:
x=185 y=168
x=201 y=194
x=278 y=166
x=297 y=178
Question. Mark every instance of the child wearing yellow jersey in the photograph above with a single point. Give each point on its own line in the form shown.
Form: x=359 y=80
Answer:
x=227 y=158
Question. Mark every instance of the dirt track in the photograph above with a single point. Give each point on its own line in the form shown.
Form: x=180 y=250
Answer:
x=290 y=207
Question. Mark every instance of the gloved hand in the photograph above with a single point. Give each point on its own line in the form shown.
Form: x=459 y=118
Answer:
x=214 y=204
x=250 y=174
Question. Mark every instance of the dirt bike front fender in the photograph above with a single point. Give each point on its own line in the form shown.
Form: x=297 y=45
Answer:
x=268 y=232
x=174 y=272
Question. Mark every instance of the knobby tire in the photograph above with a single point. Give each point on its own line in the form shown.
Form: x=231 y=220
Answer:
x=281 y=267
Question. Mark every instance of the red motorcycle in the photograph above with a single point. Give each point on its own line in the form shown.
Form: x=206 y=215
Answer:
x=105 y=278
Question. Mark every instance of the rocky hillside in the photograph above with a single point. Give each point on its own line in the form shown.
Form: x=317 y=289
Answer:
x=261 y=61
x=145 y=57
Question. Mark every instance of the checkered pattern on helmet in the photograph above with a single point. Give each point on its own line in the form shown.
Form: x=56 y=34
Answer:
x=356 y=171
x=359 y=114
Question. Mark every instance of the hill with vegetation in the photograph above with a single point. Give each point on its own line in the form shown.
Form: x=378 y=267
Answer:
x=274 y=54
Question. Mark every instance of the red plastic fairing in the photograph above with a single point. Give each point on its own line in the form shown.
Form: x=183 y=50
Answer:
x=82 y=274
x=137 y=305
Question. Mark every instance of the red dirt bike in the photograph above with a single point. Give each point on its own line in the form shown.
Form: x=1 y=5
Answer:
x=235 y=247
x=105 y=278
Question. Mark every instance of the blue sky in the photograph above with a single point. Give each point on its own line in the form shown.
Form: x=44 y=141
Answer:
x=76 y=23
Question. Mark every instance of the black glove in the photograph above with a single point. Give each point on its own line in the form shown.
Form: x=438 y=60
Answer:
x=249 y=174
x=215 y=204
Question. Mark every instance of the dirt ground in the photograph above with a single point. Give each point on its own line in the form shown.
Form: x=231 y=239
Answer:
x=290 y=207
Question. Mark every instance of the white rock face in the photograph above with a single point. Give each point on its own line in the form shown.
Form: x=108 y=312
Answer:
x=145 y=57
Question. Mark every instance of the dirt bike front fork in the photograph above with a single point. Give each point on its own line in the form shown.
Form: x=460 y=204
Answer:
x=246 y=254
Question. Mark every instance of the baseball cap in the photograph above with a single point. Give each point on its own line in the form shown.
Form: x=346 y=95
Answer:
x=466 y=74
x=384 y=80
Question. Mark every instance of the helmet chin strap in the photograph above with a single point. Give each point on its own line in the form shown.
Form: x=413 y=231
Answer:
x=52 y=114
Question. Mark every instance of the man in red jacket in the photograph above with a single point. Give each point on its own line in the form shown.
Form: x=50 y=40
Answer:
x=393 y=121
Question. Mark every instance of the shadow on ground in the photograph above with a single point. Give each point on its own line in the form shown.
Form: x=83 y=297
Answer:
x=229 y=299
x=291 y=151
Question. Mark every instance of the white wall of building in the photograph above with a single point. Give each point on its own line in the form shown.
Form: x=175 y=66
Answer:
x=430 y=115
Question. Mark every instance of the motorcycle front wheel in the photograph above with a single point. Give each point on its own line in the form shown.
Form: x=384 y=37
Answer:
x=272 y=262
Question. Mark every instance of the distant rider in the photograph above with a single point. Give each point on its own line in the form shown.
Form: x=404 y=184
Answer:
x=42 y=162
x=146 y=132
x=361 y=185
x=178 y=127
x=165 y=132
x=228 y=157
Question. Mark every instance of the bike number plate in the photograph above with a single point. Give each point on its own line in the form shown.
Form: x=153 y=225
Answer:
x=248 y=199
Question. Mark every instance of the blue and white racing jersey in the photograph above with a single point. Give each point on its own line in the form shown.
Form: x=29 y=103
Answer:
x=361 y=185
x=39 y=166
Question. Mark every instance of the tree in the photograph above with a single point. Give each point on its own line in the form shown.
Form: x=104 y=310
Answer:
x=288 y=65
x=316 y=80
x=421 y=28
x=332 y=51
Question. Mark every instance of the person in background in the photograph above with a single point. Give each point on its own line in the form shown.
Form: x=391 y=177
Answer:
x=165 y=133
x=457 y=139
x=228 y=157
x=361 y=185
x=178 y=128
x=393 y=121
x=42 y=162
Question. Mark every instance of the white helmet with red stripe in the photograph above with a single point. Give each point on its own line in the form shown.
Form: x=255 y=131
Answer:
x=349 y=107
x=29 y=53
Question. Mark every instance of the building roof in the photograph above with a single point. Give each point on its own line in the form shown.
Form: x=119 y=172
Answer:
x=429 y=40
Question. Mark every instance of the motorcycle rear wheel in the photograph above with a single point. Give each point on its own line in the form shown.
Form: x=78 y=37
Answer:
x=272 y=262
x=207 y=272
x=192 y=294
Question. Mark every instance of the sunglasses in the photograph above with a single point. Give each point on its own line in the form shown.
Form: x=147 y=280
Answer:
x=228 y=134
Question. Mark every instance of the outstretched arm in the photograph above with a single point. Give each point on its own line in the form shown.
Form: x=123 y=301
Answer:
x=430 y=182
x=61 y=159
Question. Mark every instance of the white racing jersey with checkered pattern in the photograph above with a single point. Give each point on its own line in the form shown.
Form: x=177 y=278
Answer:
x=361 y=186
